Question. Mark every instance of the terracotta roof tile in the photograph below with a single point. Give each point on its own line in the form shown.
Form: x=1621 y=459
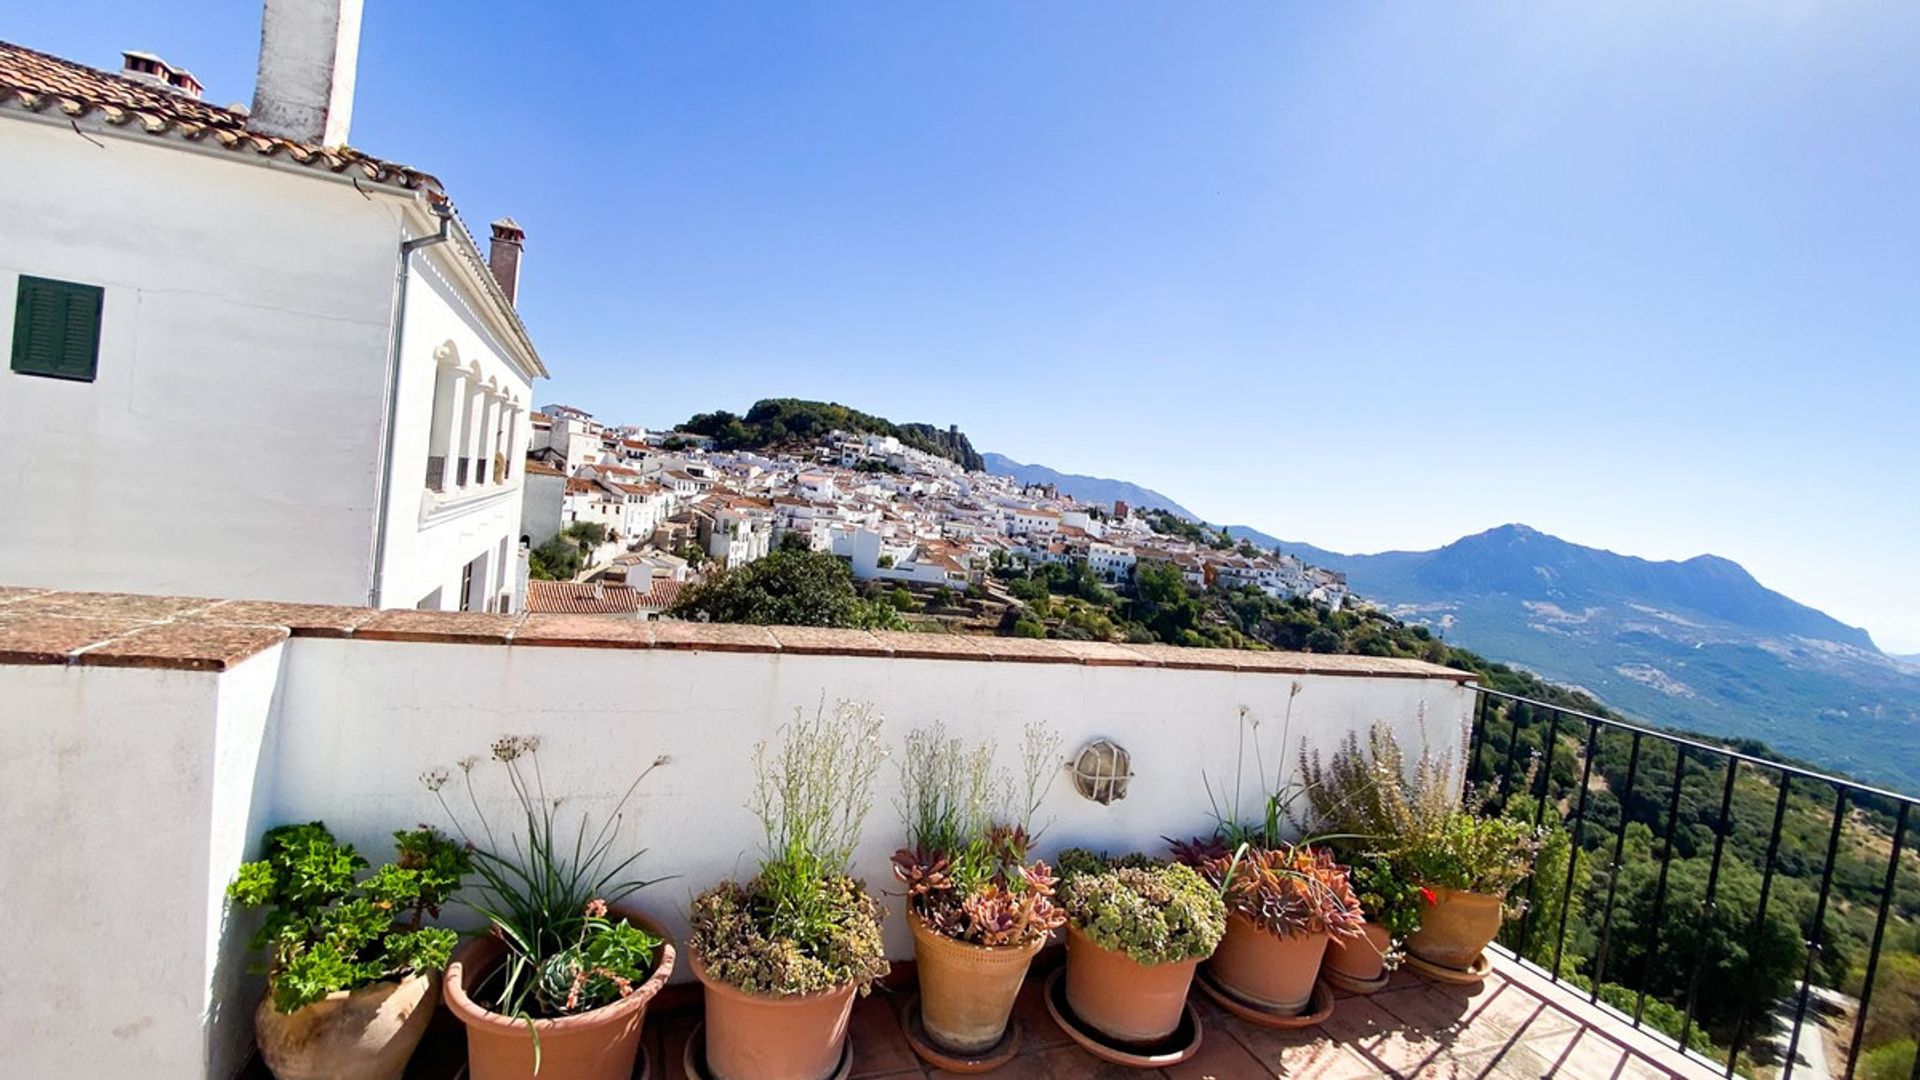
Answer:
x=32 y=81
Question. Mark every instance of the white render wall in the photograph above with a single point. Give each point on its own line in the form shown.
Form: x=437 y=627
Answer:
x=227 y=447
x=134 y=794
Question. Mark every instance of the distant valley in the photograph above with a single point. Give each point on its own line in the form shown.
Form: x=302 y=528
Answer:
x=1697 y=645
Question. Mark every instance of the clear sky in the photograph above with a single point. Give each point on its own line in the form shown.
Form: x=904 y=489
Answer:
x=1642 y=275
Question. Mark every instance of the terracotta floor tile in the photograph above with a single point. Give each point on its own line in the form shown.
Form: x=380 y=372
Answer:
x=1073 y=1063
x=1445 y=1018
x=879 y=1046
x=1038 y=1032
x=1303 y=1054
x=1221 y=1057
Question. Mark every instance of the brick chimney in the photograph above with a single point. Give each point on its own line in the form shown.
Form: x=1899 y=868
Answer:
x=504 y=257
x=309 y=50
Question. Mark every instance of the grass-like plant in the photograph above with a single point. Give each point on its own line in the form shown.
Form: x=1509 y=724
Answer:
x=546 y=893
x=1156 y=912
x=803 y=923
x=970 y=835
x=328 y=928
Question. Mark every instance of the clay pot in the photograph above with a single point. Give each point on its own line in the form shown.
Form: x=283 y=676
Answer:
x=1361 y=959
x=1266 y=969
x=366 y=1033
x=1456 y=928
x=1125 y=1000
x=772 y=1036
x=597 y=1045
x=967 y=991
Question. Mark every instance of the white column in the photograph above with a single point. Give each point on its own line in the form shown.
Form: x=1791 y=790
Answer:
x=516 y=459
x=450 y=441
x=489 y=436
x=475 y=412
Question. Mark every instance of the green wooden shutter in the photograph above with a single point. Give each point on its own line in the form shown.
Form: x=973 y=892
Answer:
x=56 y=328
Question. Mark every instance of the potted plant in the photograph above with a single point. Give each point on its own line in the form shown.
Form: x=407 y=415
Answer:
x=1469 y=861
x=1136 y=930
x=978 y=909
x=558 y=987
x=1285 y=899
x=351 y=968
x=1391 y=904
x=782 y=956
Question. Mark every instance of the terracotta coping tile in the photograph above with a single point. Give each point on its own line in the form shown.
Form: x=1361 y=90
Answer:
x=1026 y=650
x=908 y=645
x=713 y=637
x=444 y=627
x=51 y=639
x=1174 y=656
x=93 y=605
x=187 y=644
x=303 y=620
x=1102 y=653
x=821 y=641
x=585 y=631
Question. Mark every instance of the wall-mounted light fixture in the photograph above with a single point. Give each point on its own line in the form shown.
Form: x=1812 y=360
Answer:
x=1101 y=770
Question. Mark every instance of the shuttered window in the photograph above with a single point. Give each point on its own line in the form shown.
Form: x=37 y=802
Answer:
x=56 y=329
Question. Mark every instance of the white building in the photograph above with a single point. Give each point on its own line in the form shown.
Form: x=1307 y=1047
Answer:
x=275 y=366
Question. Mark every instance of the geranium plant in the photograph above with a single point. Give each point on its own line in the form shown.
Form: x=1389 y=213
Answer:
x=966 y=867
x=1154 y=911
x=803 y=923
x=546 y=894
x=330 y=928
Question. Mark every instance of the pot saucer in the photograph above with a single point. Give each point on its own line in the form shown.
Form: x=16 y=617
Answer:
x=1473 y=973
x=1355 y=986
x=939 y=1057
x=695 y=1059
x=1174 y=1049
x=1319 y=1006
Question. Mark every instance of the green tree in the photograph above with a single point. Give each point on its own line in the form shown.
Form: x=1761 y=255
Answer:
x=787 y=588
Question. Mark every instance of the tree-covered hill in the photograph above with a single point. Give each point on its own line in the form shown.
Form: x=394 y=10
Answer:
x=787 y=422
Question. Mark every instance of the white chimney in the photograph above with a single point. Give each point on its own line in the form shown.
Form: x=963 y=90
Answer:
x=308 y=52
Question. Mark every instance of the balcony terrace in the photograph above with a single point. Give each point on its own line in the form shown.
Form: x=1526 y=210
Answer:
x=152 y=739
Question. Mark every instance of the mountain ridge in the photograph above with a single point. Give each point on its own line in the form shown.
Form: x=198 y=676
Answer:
x=1090 y=489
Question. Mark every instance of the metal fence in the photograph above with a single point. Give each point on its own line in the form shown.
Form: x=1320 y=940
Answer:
x=1523 y=757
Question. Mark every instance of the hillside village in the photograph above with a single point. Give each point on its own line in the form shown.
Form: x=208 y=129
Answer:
x=671 y=508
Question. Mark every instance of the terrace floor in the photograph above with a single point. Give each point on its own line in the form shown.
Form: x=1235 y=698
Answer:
x=1514 y=1025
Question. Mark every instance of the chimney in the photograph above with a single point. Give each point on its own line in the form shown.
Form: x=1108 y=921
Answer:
x=309 y=50
x=149 y=68
x=504 y=257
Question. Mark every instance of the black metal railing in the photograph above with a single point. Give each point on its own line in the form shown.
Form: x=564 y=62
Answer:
x=1676 y=904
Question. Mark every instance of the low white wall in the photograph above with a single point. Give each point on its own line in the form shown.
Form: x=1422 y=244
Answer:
x=363 y=720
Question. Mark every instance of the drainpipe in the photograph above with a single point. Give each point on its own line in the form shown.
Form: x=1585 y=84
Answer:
x=444 y=212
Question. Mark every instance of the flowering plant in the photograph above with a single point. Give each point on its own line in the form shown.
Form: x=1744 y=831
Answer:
x=1388 y=897
x=803 y=923
x=328 y=929
x=547 y=894
x=966 y=868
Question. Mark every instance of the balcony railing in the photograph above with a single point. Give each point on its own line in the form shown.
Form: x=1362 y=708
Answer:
x=1701 y=892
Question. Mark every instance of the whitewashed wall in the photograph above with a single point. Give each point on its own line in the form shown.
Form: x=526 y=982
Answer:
x=246 y=320
x=362 y=720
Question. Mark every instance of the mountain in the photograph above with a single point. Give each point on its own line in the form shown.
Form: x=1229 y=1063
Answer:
x=1697 y=644
x=1088 y=489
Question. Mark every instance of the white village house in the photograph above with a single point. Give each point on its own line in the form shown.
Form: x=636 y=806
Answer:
x=279 y=367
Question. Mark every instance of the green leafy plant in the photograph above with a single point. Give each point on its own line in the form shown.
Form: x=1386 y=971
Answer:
x=328 y=928
x=1366 y=793
x=802 y=924
x=1388 y=897
x=1471 y=852
x=546 y=893
x=1155 y=912
x=969 y=837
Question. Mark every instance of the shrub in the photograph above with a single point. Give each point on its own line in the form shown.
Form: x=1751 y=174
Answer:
x=1893 y=1061
x=329 y=929
x=1387 y=896
x=802 y=924
x=1471 y=852
x=547 y=894
x=1156 y=913
x=969 y=837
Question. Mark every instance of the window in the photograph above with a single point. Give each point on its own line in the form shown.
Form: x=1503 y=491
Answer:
x=56 y=329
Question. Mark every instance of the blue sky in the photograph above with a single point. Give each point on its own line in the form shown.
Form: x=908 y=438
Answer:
x=1643 y=275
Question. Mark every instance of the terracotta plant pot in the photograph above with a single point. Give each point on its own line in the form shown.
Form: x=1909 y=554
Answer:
x=1129 y=1002
x=1361 y=959
x=368 y=1033
x=1456 y=928
x=597 y=1045
x=967 y=991
x=1265 y=969
x=772 y=1036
